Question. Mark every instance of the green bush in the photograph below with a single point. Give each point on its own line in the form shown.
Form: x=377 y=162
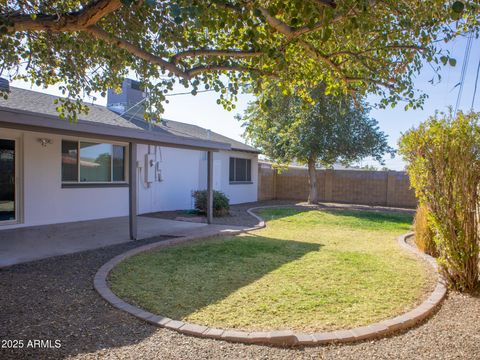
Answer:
x=221 y=203
x=424 y=236
x=443 y=157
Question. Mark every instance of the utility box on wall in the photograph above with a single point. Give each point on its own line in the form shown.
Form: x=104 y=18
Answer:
x=150 y=168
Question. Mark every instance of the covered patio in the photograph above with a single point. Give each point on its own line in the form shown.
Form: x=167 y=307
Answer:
x=22 y=241
x=39 y=242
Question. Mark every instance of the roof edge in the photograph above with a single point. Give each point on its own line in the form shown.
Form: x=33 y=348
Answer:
x=28 y=119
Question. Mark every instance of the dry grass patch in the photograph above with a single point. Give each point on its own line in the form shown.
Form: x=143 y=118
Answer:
x=308 y=270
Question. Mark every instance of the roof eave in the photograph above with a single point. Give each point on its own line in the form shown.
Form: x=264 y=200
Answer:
x=31 y=121
x=253 y=151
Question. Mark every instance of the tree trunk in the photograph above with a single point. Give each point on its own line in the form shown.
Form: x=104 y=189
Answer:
x=312 y=181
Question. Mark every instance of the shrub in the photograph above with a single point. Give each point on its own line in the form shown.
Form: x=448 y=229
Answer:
x=221 y=203
x=424 y=236
x=444 y=168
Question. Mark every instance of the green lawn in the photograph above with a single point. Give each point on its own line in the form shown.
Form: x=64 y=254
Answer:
x=308 y=270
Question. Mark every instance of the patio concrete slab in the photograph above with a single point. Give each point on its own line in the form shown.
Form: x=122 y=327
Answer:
x=39 y=242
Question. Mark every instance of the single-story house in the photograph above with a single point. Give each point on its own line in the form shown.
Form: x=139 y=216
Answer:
x=110 y=163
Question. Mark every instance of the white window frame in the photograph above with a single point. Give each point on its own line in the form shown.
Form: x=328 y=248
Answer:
x=234 y=182
x=89 y=183
x=18 y=181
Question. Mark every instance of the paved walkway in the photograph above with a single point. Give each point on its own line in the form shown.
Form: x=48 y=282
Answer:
x=39 y=242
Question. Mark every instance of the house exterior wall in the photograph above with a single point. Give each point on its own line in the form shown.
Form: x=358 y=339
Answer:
x=42 y=200
x=179 y=169
x=183 y=171
x=237 y=193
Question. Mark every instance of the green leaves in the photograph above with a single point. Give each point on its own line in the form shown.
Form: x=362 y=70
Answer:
x=458 y=6
x=295 y=42
x=444 y=168
x=448 y=60
x=326 y=33
x=286 y=128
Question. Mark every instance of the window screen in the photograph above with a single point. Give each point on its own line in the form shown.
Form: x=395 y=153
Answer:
x=240 y=170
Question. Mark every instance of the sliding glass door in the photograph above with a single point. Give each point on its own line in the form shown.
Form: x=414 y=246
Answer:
x=8 y=194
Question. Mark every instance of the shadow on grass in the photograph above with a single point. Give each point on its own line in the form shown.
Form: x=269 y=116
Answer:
x=177 y=282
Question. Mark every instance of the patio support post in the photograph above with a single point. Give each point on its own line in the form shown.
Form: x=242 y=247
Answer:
x=210 y=187
x=132 y=189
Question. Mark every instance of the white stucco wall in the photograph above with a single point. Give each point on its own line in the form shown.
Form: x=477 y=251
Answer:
x=42 y=200
x=179 y=171
x=186 y=170
x=237 y=193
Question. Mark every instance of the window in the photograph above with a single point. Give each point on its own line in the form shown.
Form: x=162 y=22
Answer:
x=89 y=162
x=69 y=161
x=240 y=170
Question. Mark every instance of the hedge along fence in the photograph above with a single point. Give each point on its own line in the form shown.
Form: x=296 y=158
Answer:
x=444 y=165
x=386 y=188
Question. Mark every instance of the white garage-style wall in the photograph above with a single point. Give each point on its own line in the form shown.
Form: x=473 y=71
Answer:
x=43 y=200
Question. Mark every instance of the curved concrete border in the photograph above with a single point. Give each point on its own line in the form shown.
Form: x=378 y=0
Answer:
x=279 y=337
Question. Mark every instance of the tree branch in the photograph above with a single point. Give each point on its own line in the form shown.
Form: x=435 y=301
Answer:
x=277 y=24
x=67 y=22
x=213 y=52
x=101 y=34
x=359 y=53
x=209 y=68
x=327 y=3
x=382 y=83
x=164 y=64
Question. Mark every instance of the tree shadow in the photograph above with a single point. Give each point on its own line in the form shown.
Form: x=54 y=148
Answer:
x=180 y=281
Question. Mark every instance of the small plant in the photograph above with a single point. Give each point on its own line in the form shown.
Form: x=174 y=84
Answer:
x=424 y=235
x=444 y=168
x=221 y=203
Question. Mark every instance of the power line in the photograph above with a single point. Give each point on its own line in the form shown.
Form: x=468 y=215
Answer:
x=464 y=70
x=189 y=92
x=476 y=83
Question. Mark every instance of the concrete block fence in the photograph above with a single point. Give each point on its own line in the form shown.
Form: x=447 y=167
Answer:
x=381 y=188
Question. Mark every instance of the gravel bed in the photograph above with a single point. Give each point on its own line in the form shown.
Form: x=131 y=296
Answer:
x=238 y=214
x=54 y=299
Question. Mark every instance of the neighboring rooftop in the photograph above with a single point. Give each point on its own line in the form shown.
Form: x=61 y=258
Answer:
x=37 y=102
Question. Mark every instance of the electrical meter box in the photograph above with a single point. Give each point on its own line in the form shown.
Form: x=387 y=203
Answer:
x=150 y=168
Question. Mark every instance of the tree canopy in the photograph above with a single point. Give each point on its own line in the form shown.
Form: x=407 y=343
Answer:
x=351 y=46
x=334 y=129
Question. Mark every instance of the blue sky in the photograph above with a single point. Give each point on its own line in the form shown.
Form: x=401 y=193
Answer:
x=202 y=109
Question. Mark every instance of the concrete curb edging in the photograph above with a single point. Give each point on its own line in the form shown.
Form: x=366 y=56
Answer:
x=277 y=337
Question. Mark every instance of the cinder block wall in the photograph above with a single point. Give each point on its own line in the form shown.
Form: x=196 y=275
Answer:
x=386 y=188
